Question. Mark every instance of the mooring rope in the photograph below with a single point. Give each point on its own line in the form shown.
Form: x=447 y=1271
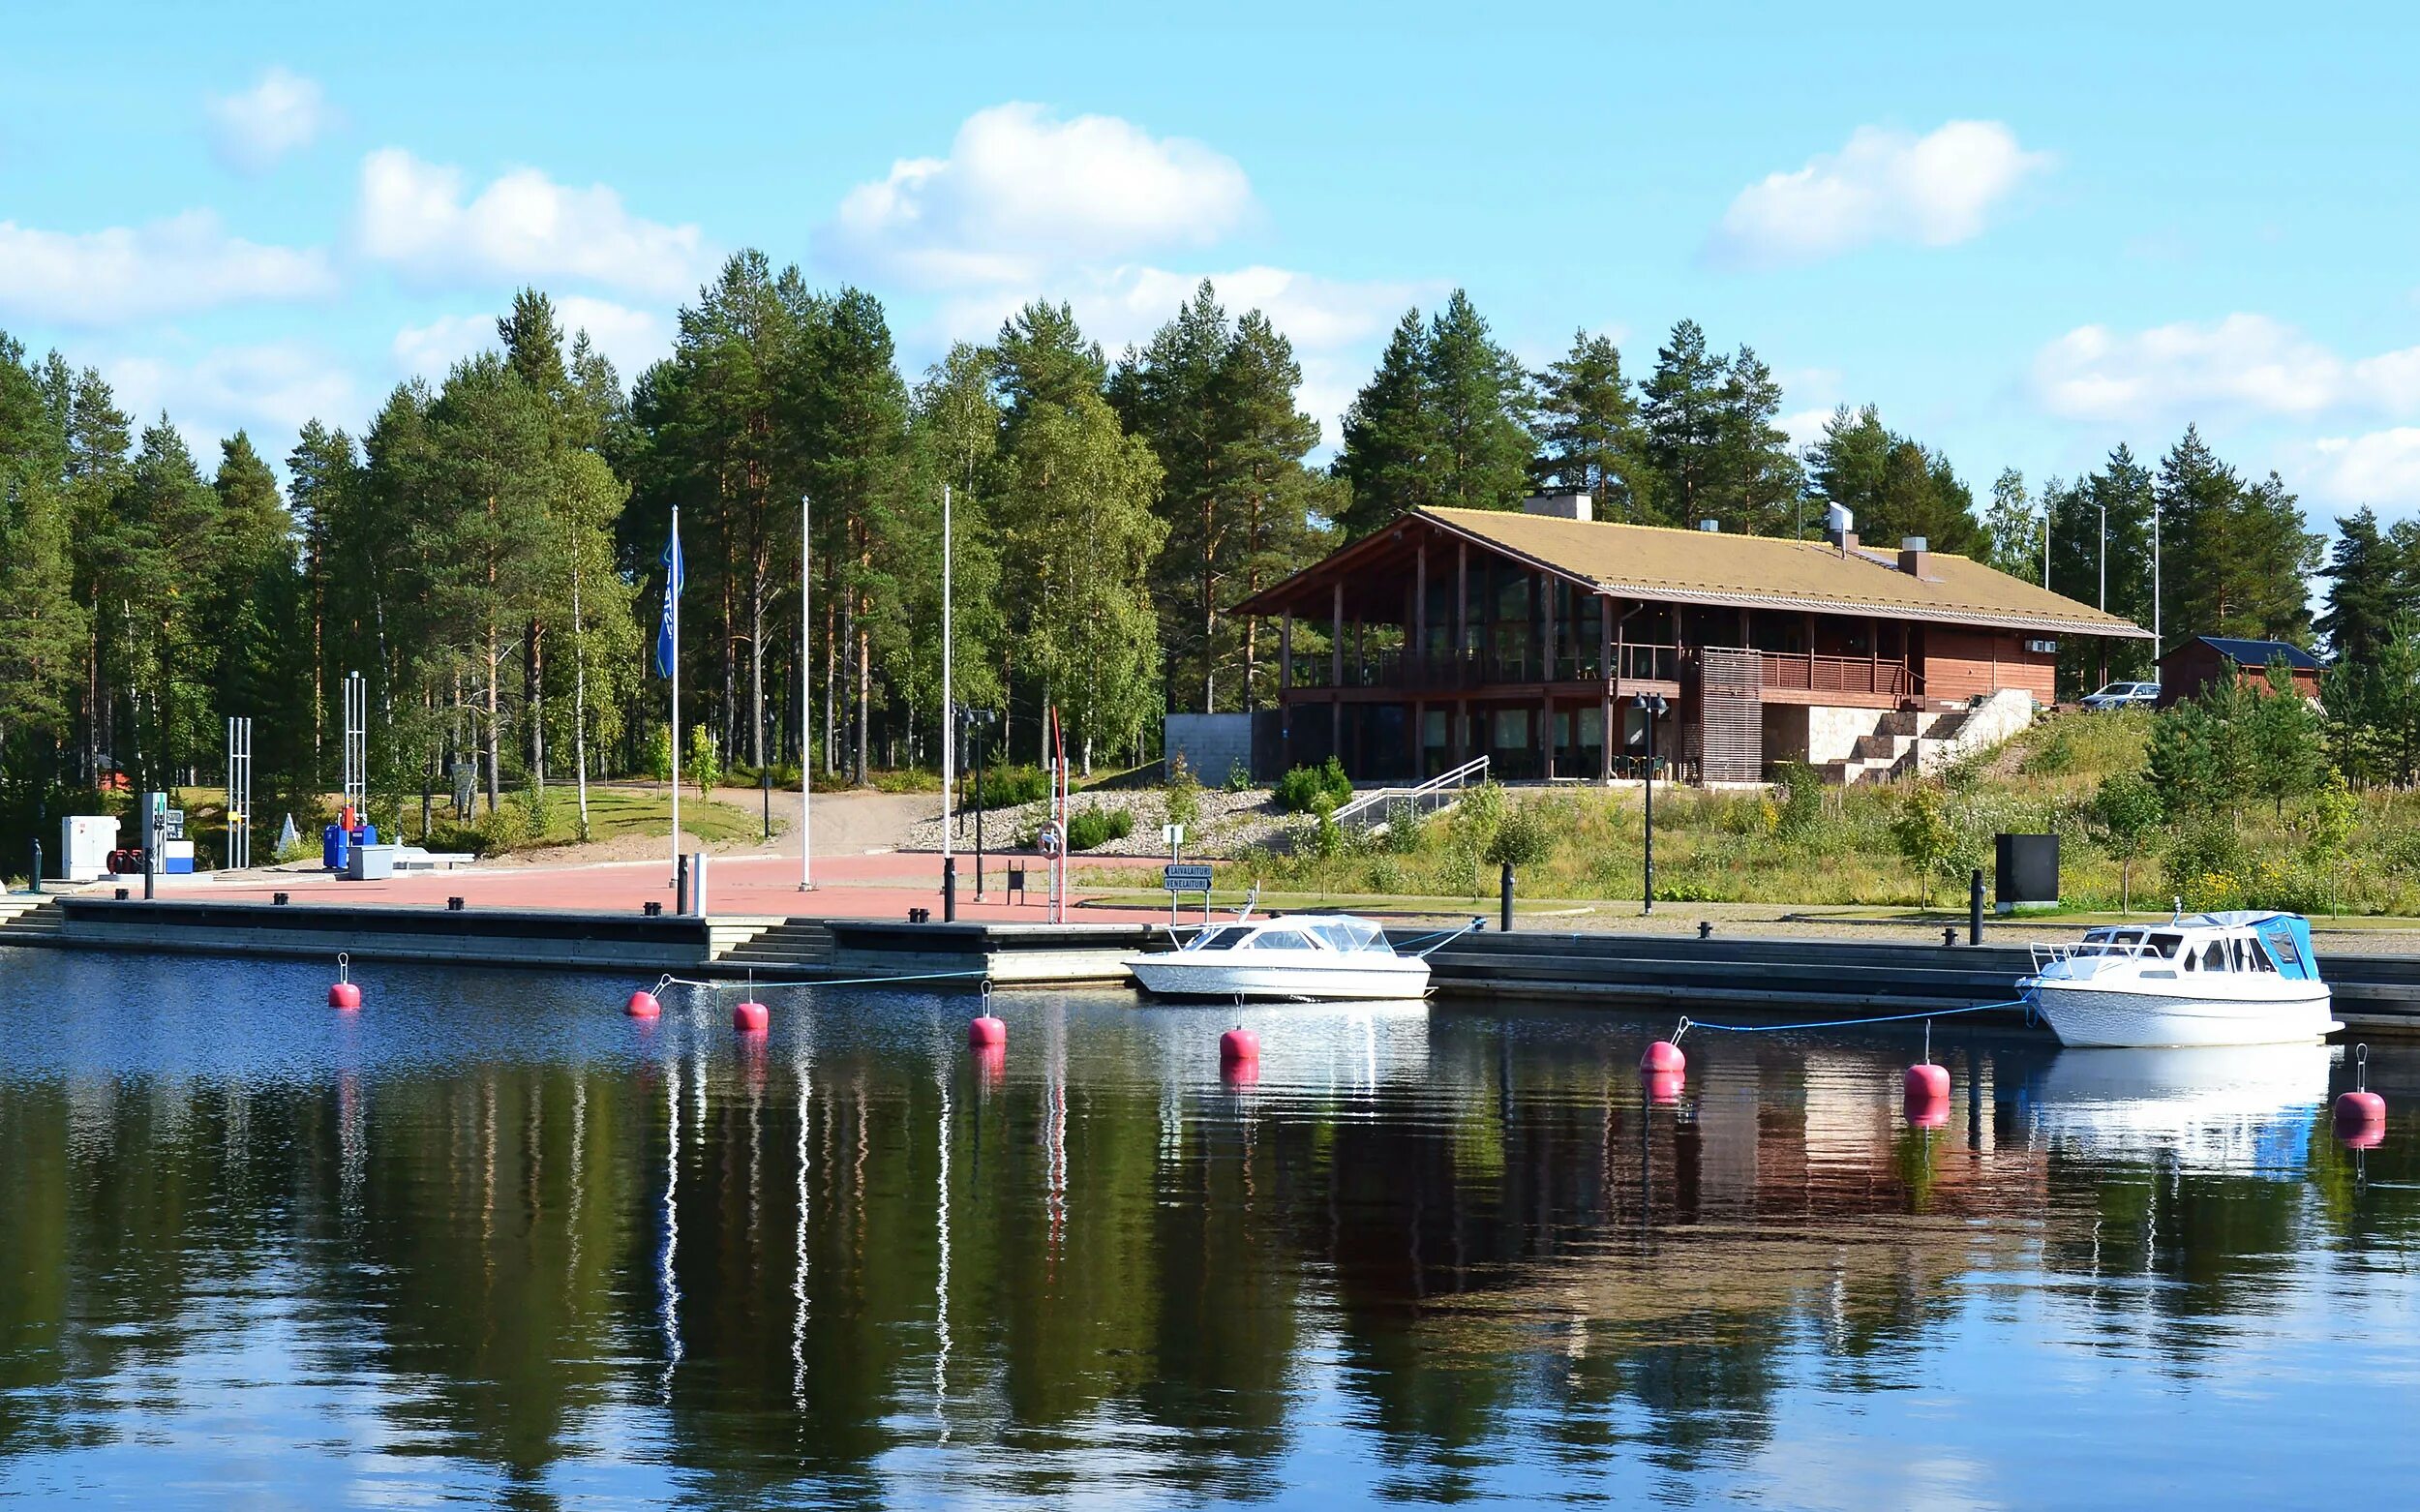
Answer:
x=1688 y=1023
x=671 y=981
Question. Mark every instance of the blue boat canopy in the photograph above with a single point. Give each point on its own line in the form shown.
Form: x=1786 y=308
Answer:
x=2286 y=935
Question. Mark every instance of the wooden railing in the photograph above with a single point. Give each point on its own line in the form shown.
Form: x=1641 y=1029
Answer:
x=1393 y=668
x=1837 y=673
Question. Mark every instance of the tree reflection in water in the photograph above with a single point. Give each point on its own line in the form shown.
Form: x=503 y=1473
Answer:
x=1437 y=1257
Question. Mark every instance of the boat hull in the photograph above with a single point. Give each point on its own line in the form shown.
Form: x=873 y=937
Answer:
x=2124 y=1018
x=1182 y=974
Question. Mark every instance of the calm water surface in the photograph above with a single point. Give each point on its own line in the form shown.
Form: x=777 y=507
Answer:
x=491 y=1242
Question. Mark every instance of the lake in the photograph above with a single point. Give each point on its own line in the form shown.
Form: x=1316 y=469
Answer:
x=489 y=1240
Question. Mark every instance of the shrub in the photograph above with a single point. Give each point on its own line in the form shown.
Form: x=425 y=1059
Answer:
x=2052 y=756
x=507 y=829
x=1239 y=777
x=1090 y=827
x=658 y=760
x=1183 y=794
x=1527 y=836
x=1801 y=798
x=1313 y=790
x=1004 y=787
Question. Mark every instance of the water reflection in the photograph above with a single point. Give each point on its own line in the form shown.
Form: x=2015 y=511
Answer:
x=492 y=1240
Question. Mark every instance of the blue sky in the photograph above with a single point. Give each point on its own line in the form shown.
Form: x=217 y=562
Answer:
x=2026 y=237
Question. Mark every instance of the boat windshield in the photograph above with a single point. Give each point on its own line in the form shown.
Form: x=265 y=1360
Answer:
x=1281 y=940
x=2110 y=942
x=1224 y=938
x=1351 y=934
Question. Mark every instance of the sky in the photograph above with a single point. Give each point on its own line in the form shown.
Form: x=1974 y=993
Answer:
x=2026 y=236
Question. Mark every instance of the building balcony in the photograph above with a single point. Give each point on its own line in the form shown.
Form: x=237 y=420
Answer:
x=1471 y=671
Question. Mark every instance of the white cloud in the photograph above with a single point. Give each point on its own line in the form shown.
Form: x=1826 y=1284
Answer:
x=415 y=216
x=1884 y=185
x=2246 y=364
x=1022 y=192
x=133 y=273
x=632 y=338
x=1806 y=427
x=2381 y=468
x=281 y=113
x=268 y=389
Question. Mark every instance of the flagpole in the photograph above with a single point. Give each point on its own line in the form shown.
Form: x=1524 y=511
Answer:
x=949 y=714
x=807 y=703
x=672 y=592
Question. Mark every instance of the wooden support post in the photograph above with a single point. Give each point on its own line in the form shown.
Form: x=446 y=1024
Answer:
x=1546 y=732
x=1336 y=672
x=1285 y=691
x=1605 y=625
x=1416 y=655
x=1546 y=638
x=1873 y=652
x=1461 y=608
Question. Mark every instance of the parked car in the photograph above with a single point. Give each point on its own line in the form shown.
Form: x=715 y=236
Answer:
x=2123 y=695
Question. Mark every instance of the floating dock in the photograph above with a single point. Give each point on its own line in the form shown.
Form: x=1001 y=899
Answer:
x=1740 y=972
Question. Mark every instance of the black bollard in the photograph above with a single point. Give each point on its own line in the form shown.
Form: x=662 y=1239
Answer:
x=1975 y=907
x=1506 y=925
x=1705 y=928
x=36 y=866
x=948 y=890
x=681 y=885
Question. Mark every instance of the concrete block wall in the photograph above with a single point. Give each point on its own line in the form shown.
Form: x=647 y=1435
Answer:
x=1212 y=744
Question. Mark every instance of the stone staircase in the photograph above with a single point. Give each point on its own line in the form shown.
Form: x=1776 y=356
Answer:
x=787 y=943
x=26 y=919
x=1907 y=742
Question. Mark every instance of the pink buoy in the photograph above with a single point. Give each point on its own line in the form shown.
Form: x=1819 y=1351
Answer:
x=986 y=1032
x=1240 y=1073
x=2360 y=1135
x=1663 y=1087
x=1924 y=1112
x=2361 y=1109
x=643 y=1005
x=343 y=992
x=1663 y=1058
x=1239 y=1045
x=751 y=1018
x=1927 y=1082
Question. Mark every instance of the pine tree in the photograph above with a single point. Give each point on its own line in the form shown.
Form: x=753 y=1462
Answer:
x=1589 y=434
x=2238 y=555
x=1893 y=486
x=1755 y=482
x=2369 y=587
x=1682 y=409
x=1390 y=434
x=1478 y=399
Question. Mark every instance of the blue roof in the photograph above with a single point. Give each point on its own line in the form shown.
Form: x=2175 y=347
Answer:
x=2259 y=653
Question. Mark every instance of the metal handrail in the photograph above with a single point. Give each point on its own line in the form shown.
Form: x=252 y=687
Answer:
x=1447 y=786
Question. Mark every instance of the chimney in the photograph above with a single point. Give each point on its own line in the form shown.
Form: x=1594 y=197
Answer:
x=1709 y=525
x=1560 y=507
x=1840 y=529
x=1916 y=559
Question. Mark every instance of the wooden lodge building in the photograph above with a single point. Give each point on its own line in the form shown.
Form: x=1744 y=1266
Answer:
x=1527 y=636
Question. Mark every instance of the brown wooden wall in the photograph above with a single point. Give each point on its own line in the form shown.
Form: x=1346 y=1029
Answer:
x=1961 y=664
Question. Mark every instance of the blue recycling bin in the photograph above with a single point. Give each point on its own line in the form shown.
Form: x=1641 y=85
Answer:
x=334 y=843
x=366 y=834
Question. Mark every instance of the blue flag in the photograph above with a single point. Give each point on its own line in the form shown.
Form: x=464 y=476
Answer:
x=664 y=645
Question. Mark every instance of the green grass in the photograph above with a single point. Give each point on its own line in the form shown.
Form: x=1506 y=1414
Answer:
x=1731 y=847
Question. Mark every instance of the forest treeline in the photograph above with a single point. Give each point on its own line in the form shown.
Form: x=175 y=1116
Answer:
x=487 y=550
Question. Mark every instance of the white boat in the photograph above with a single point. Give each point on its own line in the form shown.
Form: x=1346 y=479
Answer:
x=1305 y=957
x=2239 y=978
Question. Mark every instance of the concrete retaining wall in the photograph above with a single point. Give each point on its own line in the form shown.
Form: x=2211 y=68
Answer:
x=1212 y=744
